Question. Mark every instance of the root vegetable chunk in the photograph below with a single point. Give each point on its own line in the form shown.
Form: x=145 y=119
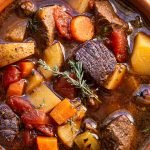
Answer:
x=53 y=56
x=4 y=4
x=46 y=143
x=43 y=98
x=13 y=52
x=82 y=28
x=63 y=111
x=140 y=59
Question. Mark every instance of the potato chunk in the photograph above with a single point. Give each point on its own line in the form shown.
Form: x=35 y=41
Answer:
x=34 y=80
x=43 y=98
x=140 y=59
x=68 y=132
x=16 y=32
x=13 y=52
x=115 y=79
x=53 y=56
x=79 y=5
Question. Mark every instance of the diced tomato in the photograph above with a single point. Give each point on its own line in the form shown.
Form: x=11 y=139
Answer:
x=64 y=88
x=16 y=88
x=26 y=68
x=34 y=117
x=28 y=138
x=62 y=20
x=48 y=131
x=19 y=105
x=11 y=75
x=119 y=44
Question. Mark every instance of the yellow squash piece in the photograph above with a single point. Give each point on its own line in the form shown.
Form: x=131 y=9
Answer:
x=87 y=141
x=115 y=79
x=53 y=56
x=43 y=98
x=34 y=80
x=140 y=59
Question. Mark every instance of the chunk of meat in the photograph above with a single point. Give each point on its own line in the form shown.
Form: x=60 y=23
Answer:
x=45 y=16
x=119 y=134
x=62 y=20
x=16 y=32
x=97 y=60
x=106 y=15
x=13 y=52
x=64 y=88
x=9 y=125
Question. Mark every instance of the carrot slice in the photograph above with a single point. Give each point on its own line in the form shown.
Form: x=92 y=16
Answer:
x=4 y=4
x=47 y=143
x=63 y=111
x=26 y=68
x=16 y=89
x=82 y=28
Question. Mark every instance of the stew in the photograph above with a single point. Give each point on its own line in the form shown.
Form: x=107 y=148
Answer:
x=74 y=75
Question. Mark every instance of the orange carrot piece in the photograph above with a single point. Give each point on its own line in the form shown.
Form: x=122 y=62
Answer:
x=16 y=89
x=47 y=143
x=4 y=4
x=26 y=68
x=82 y=28
x=63 y=111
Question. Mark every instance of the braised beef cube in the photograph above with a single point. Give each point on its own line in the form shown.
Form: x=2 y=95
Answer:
x=64 y=88
x=46 y=19
x=16 y=32
x=97 y=60
x=119 y=134
x=106 y=15
x=9 y=125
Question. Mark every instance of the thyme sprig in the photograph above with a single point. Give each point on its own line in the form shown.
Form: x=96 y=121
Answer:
x=147 y=130
x=80 y=83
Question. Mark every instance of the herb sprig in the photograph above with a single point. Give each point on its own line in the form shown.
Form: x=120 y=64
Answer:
x=147 y=130
x=80 y=83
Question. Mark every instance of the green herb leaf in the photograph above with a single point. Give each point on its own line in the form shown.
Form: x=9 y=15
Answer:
x=146 y=130
x=80 y=83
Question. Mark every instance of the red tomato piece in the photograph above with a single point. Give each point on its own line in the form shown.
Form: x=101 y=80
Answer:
x=11 y=75
x=62 y=20
x=26 y=68
x=48 y=131
x=19 y=105
x=34 y=117
x=120 y=44
x=28 y=137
